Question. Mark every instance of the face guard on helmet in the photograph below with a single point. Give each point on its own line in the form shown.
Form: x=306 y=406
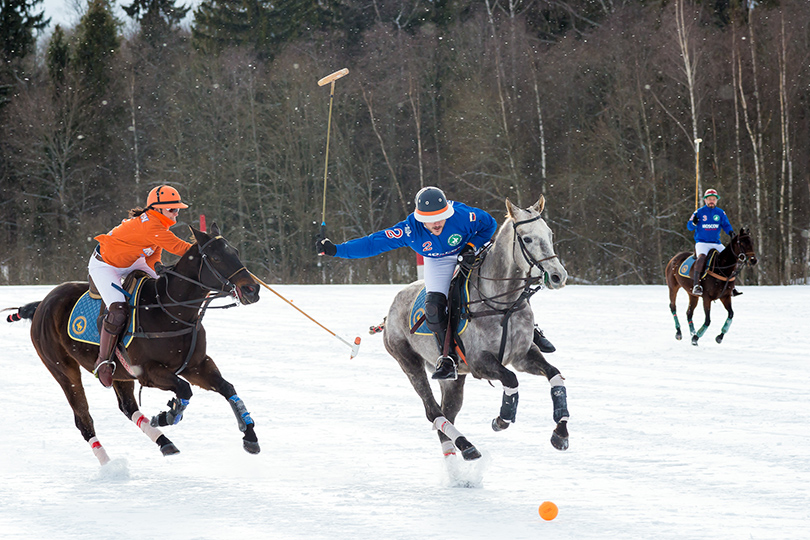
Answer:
x=431 y=206
x=164 y=197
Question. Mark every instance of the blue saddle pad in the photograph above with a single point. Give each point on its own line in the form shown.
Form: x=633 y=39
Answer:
x=685 y=269
x=418 y=309
x=82 y=322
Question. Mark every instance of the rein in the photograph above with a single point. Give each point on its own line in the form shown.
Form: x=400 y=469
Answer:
x=740 y=259
x=528 y=286
x=200 y=304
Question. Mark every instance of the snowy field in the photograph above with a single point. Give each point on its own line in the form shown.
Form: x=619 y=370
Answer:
x=668 y=440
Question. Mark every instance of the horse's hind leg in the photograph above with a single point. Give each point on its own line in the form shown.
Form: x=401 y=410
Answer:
x=726 y=300
x=208 y=377
x=535 y=363
x=67 y=373
x=707 y=308
x=672 y=283
x=414 y=367
x=452 y=400
x=124 y=390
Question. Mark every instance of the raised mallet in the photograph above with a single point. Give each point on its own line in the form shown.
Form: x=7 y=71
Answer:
x=331 y=78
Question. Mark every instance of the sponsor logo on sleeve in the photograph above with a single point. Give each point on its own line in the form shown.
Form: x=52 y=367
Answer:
x=472 y=216
x=408 y=231
x=393 y=233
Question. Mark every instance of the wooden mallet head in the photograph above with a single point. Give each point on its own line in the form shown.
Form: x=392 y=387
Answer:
x=333 y=76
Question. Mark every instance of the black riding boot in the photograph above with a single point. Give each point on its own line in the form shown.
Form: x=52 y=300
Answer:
x=697 y=268
x=436 y=318
x=111 y=329
x=542 y=343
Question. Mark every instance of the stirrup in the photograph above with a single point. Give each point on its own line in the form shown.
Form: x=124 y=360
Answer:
x=106 y=379
x=542 y=342
x=697 y=290
x=445 y=369
x=735 y=292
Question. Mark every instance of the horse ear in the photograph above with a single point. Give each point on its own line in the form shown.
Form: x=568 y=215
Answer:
x=510 y=209
x=214 y=229
x=539 y=205
x=198 y=235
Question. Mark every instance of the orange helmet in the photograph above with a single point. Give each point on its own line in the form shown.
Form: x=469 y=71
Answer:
x=164 y=197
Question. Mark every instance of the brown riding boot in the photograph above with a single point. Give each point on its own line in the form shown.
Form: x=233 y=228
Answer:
x=697 y=290
x=111 y=329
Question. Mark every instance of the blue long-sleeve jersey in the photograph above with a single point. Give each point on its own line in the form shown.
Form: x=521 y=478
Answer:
x=710 y=221
x=467 y=225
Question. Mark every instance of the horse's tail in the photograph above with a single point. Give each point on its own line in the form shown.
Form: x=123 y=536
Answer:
x=24 y=312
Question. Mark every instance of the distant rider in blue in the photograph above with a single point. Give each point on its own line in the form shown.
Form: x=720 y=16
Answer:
x=445 y=233
x=707 y=223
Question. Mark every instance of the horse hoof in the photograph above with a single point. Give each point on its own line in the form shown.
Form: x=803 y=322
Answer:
x=719 y=339
x=251 y=447
x=695 y=340
x=559 y=437
x=470 y=454
x=169 y=449
x=498 y=424
x=678 y=335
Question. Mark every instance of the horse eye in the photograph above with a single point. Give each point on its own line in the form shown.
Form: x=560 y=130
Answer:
x=527 y=239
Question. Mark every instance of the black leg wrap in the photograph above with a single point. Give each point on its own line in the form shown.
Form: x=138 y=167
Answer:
x=559 y=399
x=509 y=407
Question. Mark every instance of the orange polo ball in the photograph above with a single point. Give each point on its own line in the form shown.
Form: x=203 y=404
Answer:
x=548 y=510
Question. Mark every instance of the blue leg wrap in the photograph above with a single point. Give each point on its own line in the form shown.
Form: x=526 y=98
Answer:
x=240 y=411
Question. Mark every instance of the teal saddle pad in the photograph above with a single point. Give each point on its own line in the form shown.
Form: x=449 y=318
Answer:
x=685 y=269
x=82 y=325
x=418 y=310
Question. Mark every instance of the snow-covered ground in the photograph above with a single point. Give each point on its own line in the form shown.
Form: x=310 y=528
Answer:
x=667 y=440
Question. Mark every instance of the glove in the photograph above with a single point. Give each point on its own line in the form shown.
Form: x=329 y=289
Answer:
x=326 y=247
x=695 y=219
x=466 y=256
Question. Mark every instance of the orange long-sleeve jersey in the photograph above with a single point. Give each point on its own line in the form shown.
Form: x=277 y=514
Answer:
x=146 y=235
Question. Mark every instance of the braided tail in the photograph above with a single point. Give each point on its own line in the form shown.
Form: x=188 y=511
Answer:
x=24 y=312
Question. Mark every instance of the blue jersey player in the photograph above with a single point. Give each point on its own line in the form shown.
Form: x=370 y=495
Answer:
x=443 y=232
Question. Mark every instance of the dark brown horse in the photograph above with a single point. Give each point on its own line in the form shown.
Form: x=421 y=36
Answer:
x=717 y=285
x=169 y=341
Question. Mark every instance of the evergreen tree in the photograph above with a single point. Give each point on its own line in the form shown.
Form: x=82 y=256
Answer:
x=57 y=56
x=157 y=18
x=263 y=25
x=97 y=43
x=18 y=25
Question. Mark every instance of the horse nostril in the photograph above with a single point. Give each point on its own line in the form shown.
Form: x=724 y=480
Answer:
x=555 y=278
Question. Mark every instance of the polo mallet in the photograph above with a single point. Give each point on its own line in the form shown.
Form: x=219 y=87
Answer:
x=697 y=169
x=354 y=346
x=331 y=78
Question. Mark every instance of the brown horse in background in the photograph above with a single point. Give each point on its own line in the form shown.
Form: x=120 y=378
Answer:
x=169 y=341
x=717 y=285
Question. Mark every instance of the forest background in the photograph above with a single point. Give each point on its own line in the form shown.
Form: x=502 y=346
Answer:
x=595 y=104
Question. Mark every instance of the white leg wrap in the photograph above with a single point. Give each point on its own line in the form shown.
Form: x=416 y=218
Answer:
x=448 y=448
x=556 y=380
x=99 y=451
x=443 y=424
x=510 y=391
x=143 y=422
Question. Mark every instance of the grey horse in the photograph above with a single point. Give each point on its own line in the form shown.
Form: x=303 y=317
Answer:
x=519 y=262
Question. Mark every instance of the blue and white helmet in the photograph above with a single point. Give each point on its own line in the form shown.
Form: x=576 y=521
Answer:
x=431 y=205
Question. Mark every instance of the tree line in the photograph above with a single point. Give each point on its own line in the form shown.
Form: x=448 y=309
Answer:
x=617 y=111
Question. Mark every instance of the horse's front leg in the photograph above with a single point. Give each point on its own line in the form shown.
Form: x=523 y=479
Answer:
x=452 y=400
x=488 y=367
x=707 y=308
x=129 y=406
x=208 y=377
x=726 y=300
x=690 y=310
x=535 y=363
x=157 y=375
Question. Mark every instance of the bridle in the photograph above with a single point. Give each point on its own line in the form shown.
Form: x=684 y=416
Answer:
x=528 y=286
x=227 y=288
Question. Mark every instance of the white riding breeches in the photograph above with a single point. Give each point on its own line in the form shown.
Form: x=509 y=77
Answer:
x=703 y=248
x=439 y=273
x=105 y=275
